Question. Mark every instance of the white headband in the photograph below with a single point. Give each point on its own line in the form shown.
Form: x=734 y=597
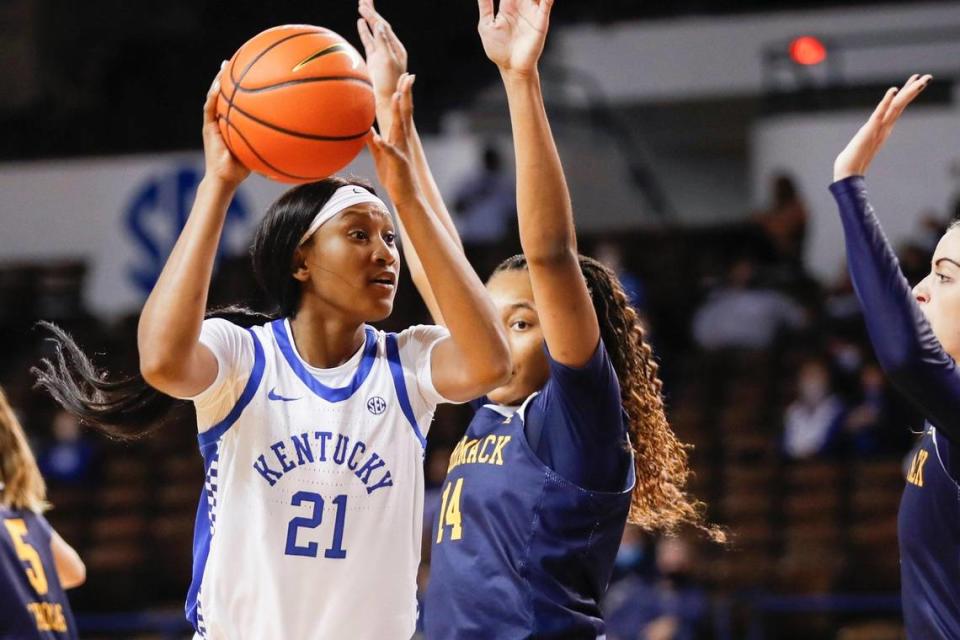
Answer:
x=343 y=198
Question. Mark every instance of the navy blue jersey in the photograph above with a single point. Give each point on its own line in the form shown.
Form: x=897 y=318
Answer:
x=519 y=550
x=915 y=361
x=928 y=527
x=32 y=602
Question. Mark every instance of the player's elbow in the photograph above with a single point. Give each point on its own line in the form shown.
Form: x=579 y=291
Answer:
x=157 y=370
x=497 y=367
x=75 y=575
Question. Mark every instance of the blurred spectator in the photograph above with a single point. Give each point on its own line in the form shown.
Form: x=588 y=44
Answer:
x=865 y=424
x=812 y=423
x=634 y=556
x=740 y=316
x=914 y=262
x=670 y=606
x=611 y=255
x=784 y=223
x=931 y=228
x=485 y=205
x=69 y=458
x=841 y=303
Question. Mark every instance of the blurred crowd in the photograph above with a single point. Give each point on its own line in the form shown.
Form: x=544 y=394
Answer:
x=766 y=373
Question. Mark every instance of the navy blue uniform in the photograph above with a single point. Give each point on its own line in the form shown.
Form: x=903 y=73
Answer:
x=911 y=355
x=525 y=540
x=32 y=602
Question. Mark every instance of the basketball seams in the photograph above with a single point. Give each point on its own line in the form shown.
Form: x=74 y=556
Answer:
x=295 y=134
x=253 y=150
x=288 y=83
x=231 y=125
x=236 y=83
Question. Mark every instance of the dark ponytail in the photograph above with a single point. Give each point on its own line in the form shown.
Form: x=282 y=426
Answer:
x=128 y=408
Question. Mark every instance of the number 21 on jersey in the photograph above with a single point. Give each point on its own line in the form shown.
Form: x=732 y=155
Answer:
x=450 y=511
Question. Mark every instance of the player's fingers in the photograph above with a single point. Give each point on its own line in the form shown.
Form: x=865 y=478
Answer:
x=380 y=33
x=367 y=11
x=392 y=43
x=375 y=144
x=366 y=37
x=486 y=10
x=543 y=14
x=881 y=111
x=907 y=95
x=210 y=104
x=398 y=130
x=406 y=100
x=370 y=12
x=395 y=43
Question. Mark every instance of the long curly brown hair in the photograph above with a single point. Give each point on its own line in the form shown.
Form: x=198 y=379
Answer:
x=660 y=501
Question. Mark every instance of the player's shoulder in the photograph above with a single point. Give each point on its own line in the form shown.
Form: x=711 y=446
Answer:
x=422 y=335
x=223 y=329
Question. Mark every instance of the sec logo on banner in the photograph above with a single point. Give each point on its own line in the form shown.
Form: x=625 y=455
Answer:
x=158 y=212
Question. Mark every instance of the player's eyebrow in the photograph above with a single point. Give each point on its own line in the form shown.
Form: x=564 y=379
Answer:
x=950 y=260
x=522 y=305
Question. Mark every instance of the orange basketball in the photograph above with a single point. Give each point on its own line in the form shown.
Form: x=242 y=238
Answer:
x=295 y=103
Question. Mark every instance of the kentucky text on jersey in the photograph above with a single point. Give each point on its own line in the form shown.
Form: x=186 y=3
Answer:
x=488 y=450
x=324 y=447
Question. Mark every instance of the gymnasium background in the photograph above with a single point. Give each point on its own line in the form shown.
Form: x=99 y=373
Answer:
x=698 y=137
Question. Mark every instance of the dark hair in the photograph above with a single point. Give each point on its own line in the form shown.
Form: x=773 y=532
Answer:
x=129 y=408
x=660 y=501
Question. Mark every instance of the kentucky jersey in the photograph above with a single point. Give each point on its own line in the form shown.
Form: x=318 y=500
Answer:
x=309 y=525
x=928 y=529
x=32 y=602
x=520 y=551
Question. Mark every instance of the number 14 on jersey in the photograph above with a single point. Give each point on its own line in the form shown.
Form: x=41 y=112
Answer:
x=450 y=511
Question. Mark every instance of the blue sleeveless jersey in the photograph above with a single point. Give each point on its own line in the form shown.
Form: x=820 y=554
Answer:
x=32 y=602
x=929 y=531
x=518 y=551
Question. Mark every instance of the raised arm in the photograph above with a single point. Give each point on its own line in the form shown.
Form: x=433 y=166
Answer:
x=902 y=338
x=387 y=64
x=172 y=359
x=514 y=38
x=474 y=359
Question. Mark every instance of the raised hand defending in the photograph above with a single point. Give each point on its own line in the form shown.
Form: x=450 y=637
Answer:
x=391 y=153
x=513 y=37
x=855 y=159
x=386 y=55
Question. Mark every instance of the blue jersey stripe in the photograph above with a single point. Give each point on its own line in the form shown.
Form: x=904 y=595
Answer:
x=330 y=394
x=202 y=534
x=215 y=432
x=396 y=371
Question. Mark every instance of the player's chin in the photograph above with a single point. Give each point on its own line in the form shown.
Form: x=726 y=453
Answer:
x=379 y=308
x=508 y=395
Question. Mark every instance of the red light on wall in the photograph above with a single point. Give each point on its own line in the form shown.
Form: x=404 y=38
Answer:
x=807 y=50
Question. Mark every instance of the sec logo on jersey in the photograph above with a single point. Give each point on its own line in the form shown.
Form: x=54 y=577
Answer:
x=376 y=405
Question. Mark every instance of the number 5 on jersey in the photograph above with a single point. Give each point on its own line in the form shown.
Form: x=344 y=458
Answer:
x=17 y=529
x=450 y=512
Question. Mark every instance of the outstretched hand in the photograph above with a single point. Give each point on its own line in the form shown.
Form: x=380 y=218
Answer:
x=855 y=159
x=218 y=160
x=391 y=154
x=386 y=55
x=513 y=37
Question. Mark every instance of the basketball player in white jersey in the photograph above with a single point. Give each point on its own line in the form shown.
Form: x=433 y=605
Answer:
x=312 y=424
